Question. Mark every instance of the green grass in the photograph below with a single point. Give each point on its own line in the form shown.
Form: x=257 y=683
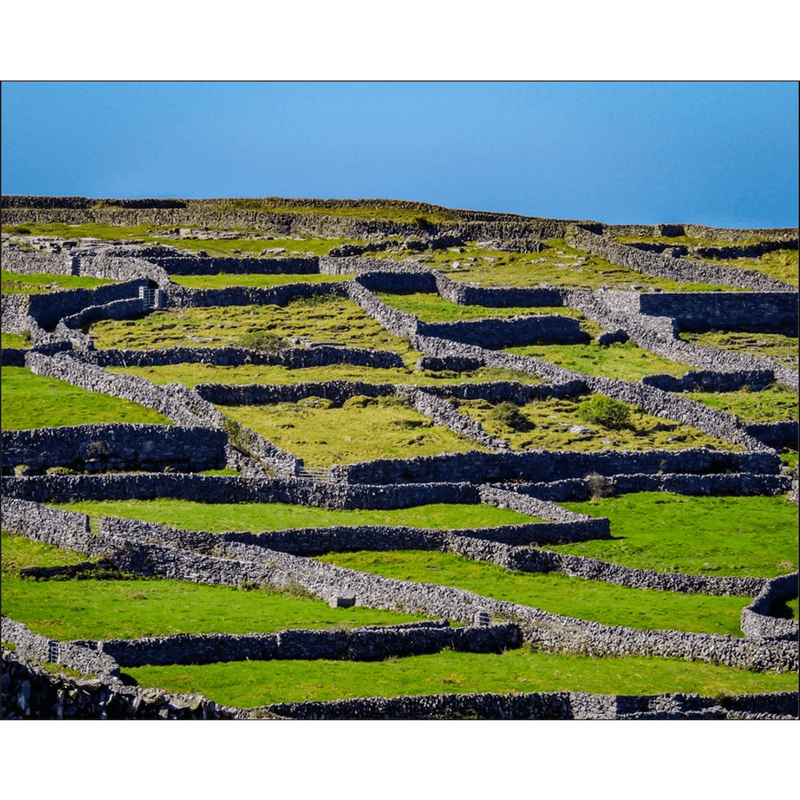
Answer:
x=773 y=404
x=625 y=361
x=220 y=517
x=224 y=279
x=432 y=307
x=548 y=426
x=779 y=264
x=32 y=401
x=126 y=609
x=192 y=374
x=361 y=430
x=737 y=536
x=37 y=284
x=249 y=684
x=777 y=346
x=692 y=241
x=557 y=265
x=15 y=340
x=322 y=319
x=596 y=601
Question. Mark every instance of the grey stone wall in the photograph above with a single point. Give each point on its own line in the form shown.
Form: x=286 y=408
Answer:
x=758 y=619
x=114 y=448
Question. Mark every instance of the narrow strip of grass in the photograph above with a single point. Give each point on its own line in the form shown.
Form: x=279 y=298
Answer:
x=782 y=349
x=625 y=361
x=219 y=517
x=192 y=374
x=744 y=536
x=776 y=403
x=32 y=401
x=13 y=282
x=249 y=684
x=361 y=430
x=595 y=601
x=15 y=340
x=223 y=280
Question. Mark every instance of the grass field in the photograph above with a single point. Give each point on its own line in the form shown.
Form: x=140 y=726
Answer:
x=32 y=401
x=321 y=319
x=556 y=424
x=13 y=283
x=249 y=684
x=362 y=429
x=220 y=517
x=623 y=360
x=15 y=340
x=773 y=404
x=557 y=265
x=224 y=279
x=738 y=536
x=780 y=348
x=596 y=601
x=192 y=374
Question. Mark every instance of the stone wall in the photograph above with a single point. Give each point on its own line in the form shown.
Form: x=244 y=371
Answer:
x=758 y=618
x=114 y=448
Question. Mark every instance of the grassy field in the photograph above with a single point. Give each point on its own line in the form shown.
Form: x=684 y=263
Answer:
x=224 y=279
x=249 y=684
x=432 y=307
x=220 y=517
x=32 y=401
x=773 y=404
x=739 y=536
x=322 y=319
x=557 y=265
x=137 y=607
x=623 y=360
x=362 y=429
x=780 y=348
x=15 y=340
x=12 y=283
x=192 y=374
x=596 y=601
x=556 y=424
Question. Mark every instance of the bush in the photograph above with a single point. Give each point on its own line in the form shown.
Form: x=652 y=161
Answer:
x=508 y=414
x=606 y=411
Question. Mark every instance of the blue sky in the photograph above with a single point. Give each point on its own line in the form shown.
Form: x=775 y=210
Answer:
x=716 y=153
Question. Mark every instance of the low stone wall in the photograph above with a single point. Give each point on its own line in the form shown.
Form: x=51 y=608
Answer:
x=708 y=381
x=234 y=489
x=289 y=357
x=539 y=466
x=276 y=265
x=467 y=295
x=497 y=333
x=338 y=392
x=757 y=618
x=544 y=706
x=184 y=297
x=114 y=447
x=30 y=692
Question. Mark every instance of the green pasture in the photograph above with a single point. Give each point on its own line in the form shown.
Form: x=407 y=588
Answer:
x=246 y=684
x=33 y=401
x=776 y=403
x=596 y=601
x=724 y=536
x=625 y=361
x=225 y=279
x=15 y=340
x=221 y=517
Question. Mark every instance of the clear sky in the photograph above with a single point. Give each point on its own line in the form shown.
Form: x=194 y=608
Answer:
x=716 y=153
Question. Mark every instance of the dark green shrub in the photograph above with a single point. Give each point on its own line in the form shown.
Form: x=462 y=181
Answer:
x=508 y=414
x=605 y=411
x=265 y=342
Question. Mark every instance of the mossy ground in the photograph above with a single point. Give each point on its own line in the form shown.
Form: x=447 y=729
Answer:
x=555 y=424
x=362 y=429
x=776 y=403
x=13 y=283
x=324 y=319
